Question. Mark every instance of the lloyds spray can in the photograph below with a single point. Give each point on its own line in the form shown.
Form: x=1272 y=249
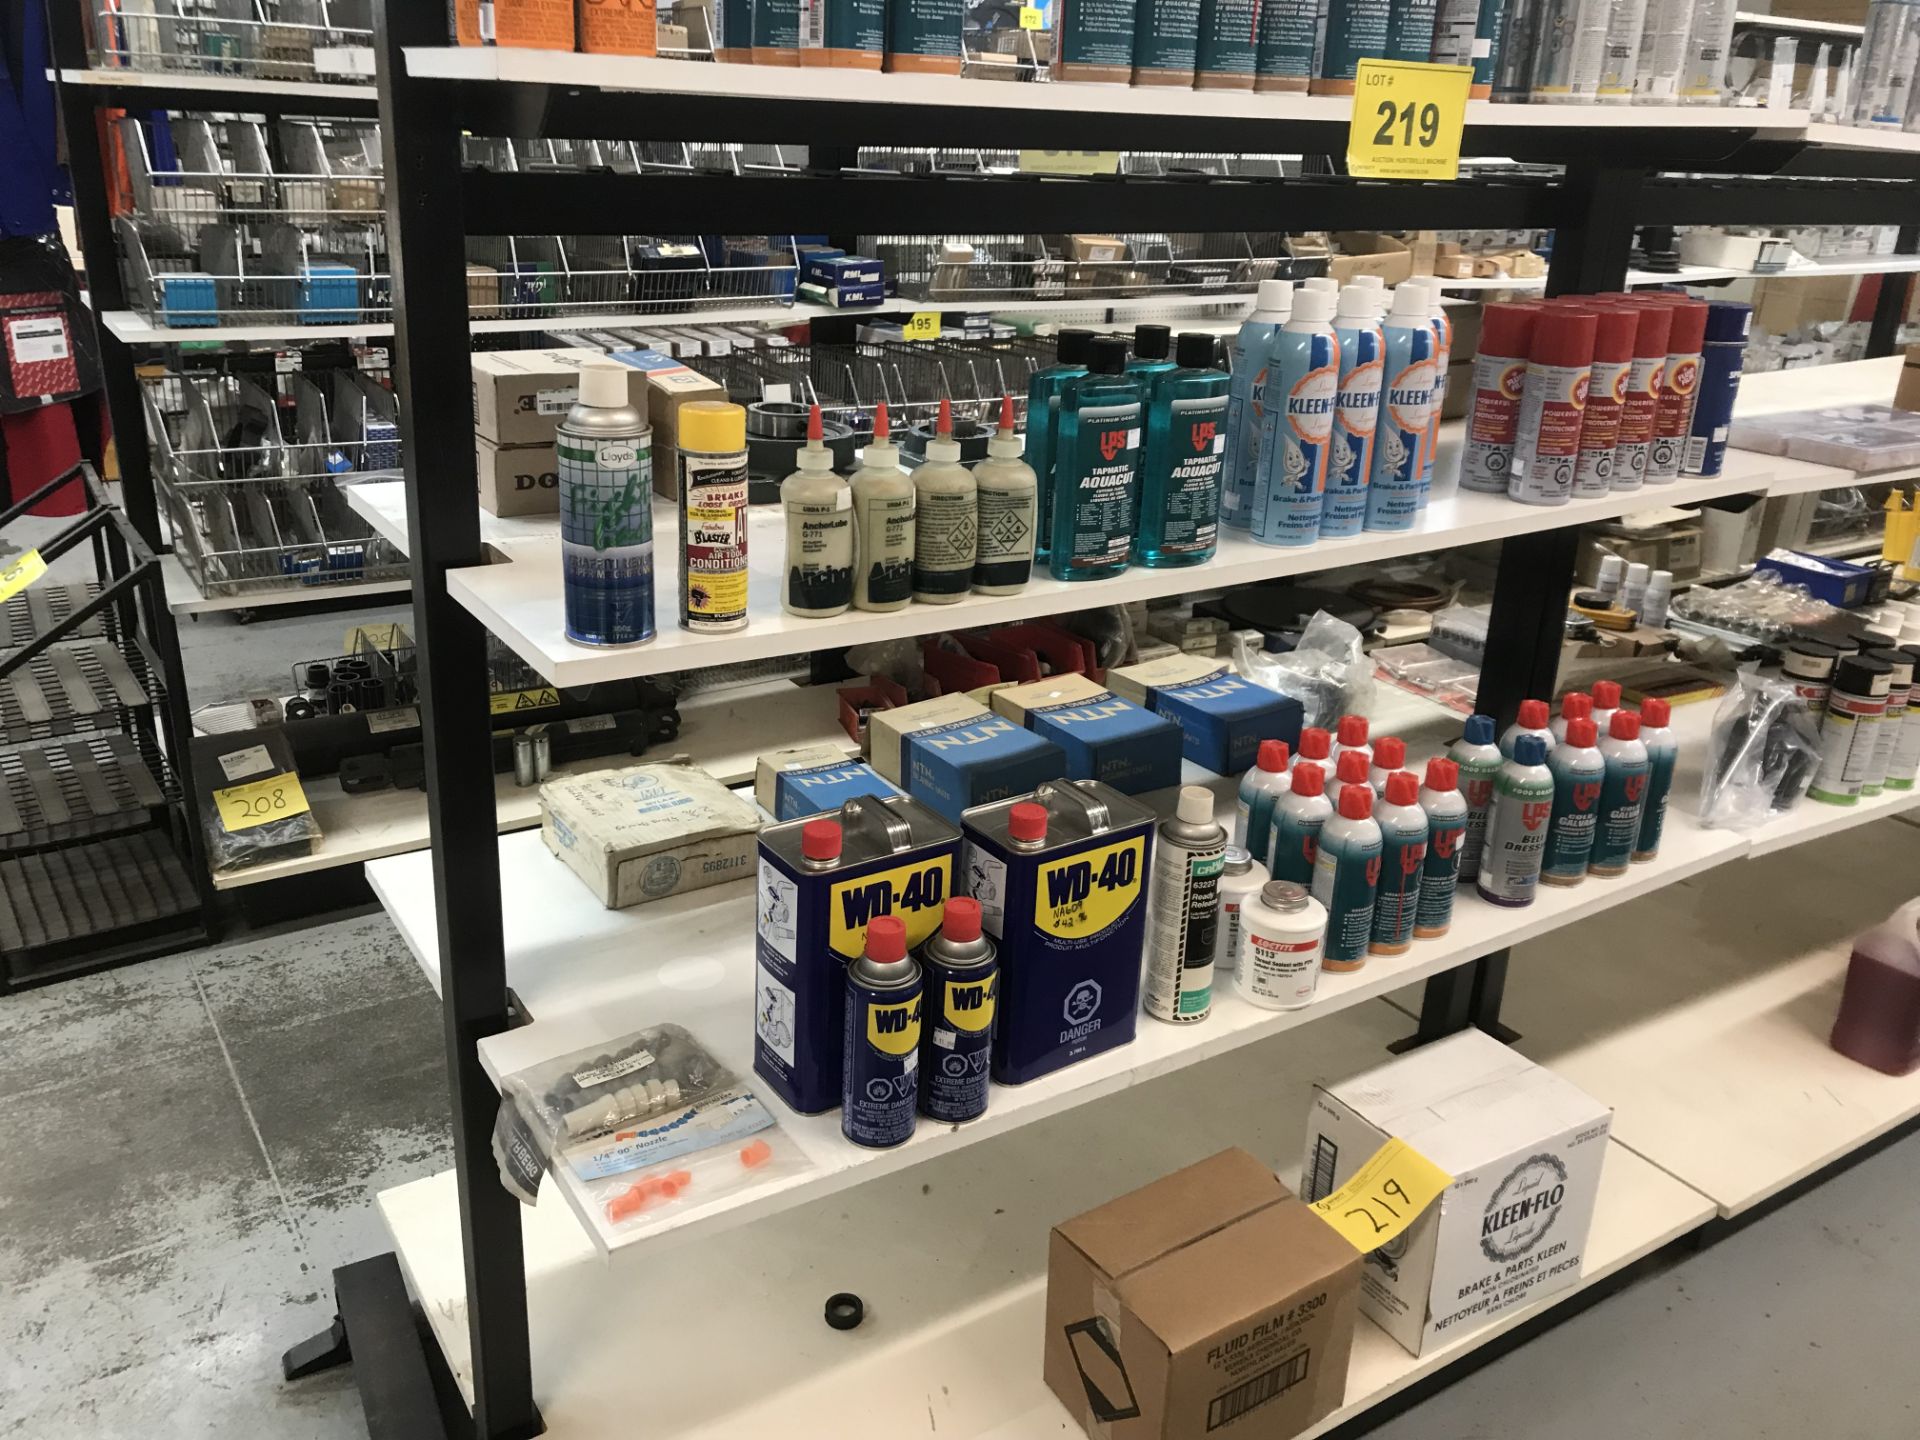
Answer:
x=1184 y=924
x=880 y=1063
x=603 y=453
x=961 y=972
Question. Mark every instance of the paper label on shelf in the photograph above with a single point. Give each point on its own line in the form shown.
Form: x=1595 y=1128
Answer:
x=239 y=764
x=923 y=325
x=278 y=797
x=778 y=395
x=601 y=1074
x=1032 y=18
x=1070 y=162
x=588 y=724
x=285 y=362
x=510 y=701
x=1384 y=1197
x=20 y=573
x=39 y=339
x=384 y=722
x=1408 y=120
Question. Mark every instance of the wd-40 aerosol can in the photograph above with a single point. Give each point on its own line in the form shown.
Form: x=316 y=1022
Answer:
x=1184 y=923
x=1261 y=788
x=821 y=881
x=1356 y=412
x=961 y=971
x=1346 y=872
x=1663 y=755
x=1442 y=358
x=713 y=517
x=1517 y=826
x=1061 y=877
x=1623 y=793
x=1607 y=380
x=1403 y=857
x=1406 y=408
x=603 y=452
x=1546 y=442
x=1297 y=818
x=1446 y=811
x=1679 y=385
x=1499 y=384
x=1478 y=758
x=1295 y=415
x=1579 y=771
x=880 y=1064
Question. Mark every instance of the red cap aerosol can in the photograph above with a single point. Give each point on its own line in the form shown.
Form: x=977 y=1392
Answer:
x=1546 y=446
x=1499 y=383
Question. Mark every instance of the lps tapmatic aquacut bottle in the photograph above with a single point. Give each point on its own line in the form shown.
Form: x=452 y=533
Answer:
x=1356 y=412
x=1346 y=871
x=1663 y=755
x=1152 y=355
x=1296 y=424
x=1479 y=760
x=819 y=514
x=1044 y=390
x=1251 y=349
x=1623 y=793
x=1532 y=720
x=1183 y=925
x=1574 y=705
x=1442 y=358
x=945 y=520
x=1446 y=811
x=882 y=524
x=1406 y=411
x=961 y=972
x=1297 y=820
x=1095 y=470
x=880 y=1062
x=1403 y=859
x=1181 y=467
x=1579 y=769
x=1008 y=509
x=1260 y=790
x=605 y=464
x=1517 y=826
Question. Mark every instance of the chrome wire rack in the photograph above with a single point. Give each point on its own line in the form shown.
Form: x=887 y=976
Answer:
x=972 y=269
x=330 y=40
x=554 y=276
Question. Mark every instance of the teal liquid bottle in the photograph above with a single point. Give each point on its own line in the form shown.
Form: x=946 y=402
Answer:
x=1096 y=468
x=1152 y=355
x=1185 y=459
x=1043 y=414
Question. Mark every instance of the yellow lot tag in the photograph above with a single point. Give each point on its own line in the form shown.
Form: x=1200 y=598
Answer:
x=277 y=797
x=18 y=575
x=1408 y=120
x=1384 y=1197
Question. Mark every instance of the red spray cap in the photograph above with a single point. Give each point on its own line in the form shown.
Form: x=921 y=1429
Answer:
x=1581 y=733
x=1606 y=694
x=880 y=430
x=1402 y=788
x=1353 y=768
x=960 y=921
x=1390 y=752
x=1506 y=329
x=1272 y=755
x=1443 y=774
x=1027 y=821
x=1309 y=779
x=1563 y=336
x=1353 y=730
x=1356 y=802
x=944 y=425
x=815 y=433
x=1655 y=712
x=886 y=938
x=820 y=840
x=1006 y=414
x=1533 y=714
x=1626 y=725
x=1314 y=743
x=1576 y=705
x=1614 y=335
x=1656 y=327
x=1689 y=327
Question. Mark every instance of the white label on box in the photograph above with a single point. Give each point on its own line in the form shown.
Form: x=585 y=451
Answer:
x=38 y=340
x=587 y=724
x=400 y=717
x=554 y=402
x=944 y=1039
x=238 y=764
x=601 y=1074
x=778 y=395
x=285 y=362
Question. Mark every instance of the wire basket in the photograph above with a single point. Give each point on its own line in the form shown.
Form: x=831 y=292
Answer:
x=328 y=40
x=979 y=269
x=631 y=157
x=553 y=277
x=913 y=377
x=246 y=537
x=219 y=428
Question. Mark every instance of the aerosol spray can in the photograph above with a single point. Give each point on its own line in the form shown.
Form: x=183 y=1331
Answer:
x=1546 y=443
x=1574 y=705
x=1346 y=874
x=1297 y=821
x=1350 y=733
x=1606 y=702
x=1626 y=19
x=1703 y=75
x=604 y=454
x=1532 y=720
x=1260 y=790
x=1406 y=411
x=1517 y=826
x=1469 y=32
x=1570 y=50
x=1579 y=772
x=1251 y=352
x=1663 y=755
x=1809 y=665
x=1389 y=758
x=962 y=983
x=1723 y=350
x=1607 y=381
x=1442 y=359
x=1403 y=860
x=1856 y=708
x=1499 y=384
x=713 y=517
x=1906 y=745
x=1623 y=795
x=1887 y=732
x=880 y=1065
x=1446 y=811
x=1663 y=52
x=1680 y=382
x=1478 y=761
x=1295 y=416
x=1184 y=924
x=1356 y=413
x=1880 y=84
x=1285 y=931
x=1639 y=407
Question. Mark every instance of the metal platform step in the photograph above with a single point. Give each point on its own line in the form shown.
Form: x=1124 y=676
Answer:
x=73 y=688
x=79 y=790
x=59 y=900
x=39 y=608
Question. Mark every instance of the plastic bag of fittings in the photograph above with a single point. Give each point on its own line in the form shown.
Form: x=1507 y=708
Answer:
x=649 y=1122
x=1328 y=672
x=252 y=807
x=1762 y=756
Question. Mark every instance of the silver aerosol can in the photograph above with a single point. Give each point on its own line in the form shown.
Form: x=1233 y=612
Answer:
x=1517 y=826
x=604 y=456
x=1184 y=925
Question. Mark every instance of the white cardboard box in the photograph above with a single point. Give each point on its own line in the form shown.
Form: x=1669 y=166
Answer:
x=1524 y=1148
x=648 y=831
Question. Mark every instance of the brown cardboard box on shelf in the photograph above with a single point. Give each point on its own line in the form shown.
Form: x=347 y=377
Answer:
x=1210 y=1298
x=1362 y=252
x=517 y=479
x=1513 y=264
x=1424 y=247
x=617 y=27
x=1906 y=395
x=520 y=395
x=1097 y=249
x=648 y=831
x=520 y=24
x=1783 y=305
x=670 y=384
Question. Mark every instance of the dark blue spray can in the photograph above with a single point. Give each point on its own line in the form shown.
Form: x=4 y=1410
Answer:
x=1623 y=796
x=880 y=1063
x=961 y=970
x=1722 y=353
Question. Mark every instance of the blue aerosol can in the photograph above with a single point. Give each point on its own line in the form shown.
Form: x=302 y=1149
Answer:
x=1517 y=826
x=880 y=1064
x=1722 y=353
x=1251 y=349
x=1623 y=795
x=1579 y=769
x=1406 y=411
x=1356 y=412
x=1478 y=760
x=1296 y=424
x=1442 y=358
x=961 y=971
x=1446 y=811
x=1663 y=754
x=1297 y=820
x=1403 y=859
x=603 y=452
x=1346 y=874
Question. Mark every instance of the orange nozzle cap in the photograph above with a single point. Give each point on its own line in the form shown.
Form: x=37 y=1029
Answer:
x=880 y=430
x=944 y=426
x=1006 y=414
x=815 y=432
x=756 y=1154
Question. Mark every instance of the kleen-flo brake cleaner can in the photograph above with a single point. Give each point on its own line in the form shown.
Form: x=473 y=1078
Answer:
x=821 y=881
x=1061 y=879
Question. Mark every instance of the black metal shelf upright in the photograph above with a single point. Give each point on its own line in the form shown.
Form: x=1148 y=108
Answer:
x=1610 y=185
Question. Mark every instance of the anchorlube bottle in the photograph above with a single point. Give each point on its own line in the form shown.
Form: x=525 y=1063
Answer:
x=1186 y=449
x=1296 y=424
x=946 y=518
x=1096 y=469
x=882 y=524
x=1251 y=349
x=1043 y=413
x=1008 y=496
x=1356 y=412
x=1406 y=410
x=819 y=515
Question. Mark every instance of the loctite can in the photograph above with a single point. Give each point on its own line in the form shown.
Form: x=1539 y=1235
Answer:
x=1680 y=383
x=1639 y=407
x=1446 y=811
x=1579 y=772
x=961 y=973
x=1499 y=384
x=1723 y=350
x=822 y=881
x=1623 y=794
x=1611 y=372
x=1061 y=877
x=1546 y=443
x=1517 y=826
x=880 y=1063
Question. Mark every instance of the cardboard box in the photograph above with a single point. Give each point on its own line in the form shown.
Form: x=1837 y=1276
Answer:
x=1524 y=1148
x=517 y=479
x=648 y=831
x=1362 y=252
x=1222 y=715
x=520 y=395
x=624 y=27
x=809 y=779
x=1790 y=303
x=1209 y=1301
x=1906 y=395
x=522 y=24
x=1096 y=249
x=951 y=753
x=1104 y=737
x=669 y=385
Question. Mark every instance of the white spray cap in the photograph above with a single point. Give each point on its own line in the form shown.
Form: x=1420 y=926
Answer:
x=1275 y=298
x=1358 y=303
x=1612 y=567
x=1637 y=574
x=603 y=385
x=1410 y=304
x=1195 y=806
x=1371 y=282
x=1312 y=307
x=1322 y=282
x=1660 y=580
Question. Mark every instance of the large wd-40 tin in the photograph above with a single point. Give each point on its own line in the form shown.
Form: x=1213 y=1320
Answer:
x=1061 y=880
x=821 y=882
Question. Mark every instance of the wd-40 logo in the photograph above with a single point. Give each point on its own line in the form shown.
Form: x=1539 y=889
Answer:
x=1535 y=812
x=916 y=893
x=894 y=1029
x=1112 y=442
x=1203 y=434
x=1084 y=894
x=978 y=734
x=970 y=1004
x=1585 y=792
x=1636 y=787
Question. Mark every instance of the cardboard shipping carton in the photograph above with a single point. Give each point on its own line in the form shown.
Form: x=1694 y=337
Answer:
x=669 y=385
x=1524 y=1148
x=520 y=395
x=951 y=752
x=1211 y=1300
x=521 y=24
x=517 y=479
x=648 y=831
x=1222 y=715
x=1105 y=738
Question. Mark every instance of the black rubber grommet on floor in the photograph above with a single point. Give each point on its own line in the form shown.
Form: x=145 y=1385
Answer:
x=844 y=1311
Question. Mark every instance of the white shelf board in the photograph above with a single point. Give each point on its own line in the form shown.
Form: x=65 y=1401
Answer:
x=383 y=505
x=520 y=601
x=1861 y=137
x=951 y=1263
x=1812 y=387
x=1811 y=820
x=184 y=597
x=133 y=328
x=231 y=84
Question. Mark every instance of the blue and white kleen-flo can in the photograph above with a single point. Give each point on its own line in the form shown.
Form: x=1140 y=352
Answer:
x=1406 y=411
x=1356 y=413
x=1296 y=424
